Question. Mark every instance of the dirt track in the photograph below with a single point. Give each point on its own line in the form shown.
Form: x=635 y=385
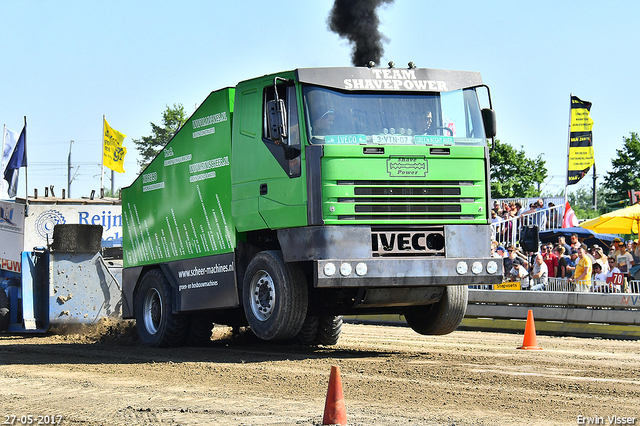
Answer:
x=390 y=375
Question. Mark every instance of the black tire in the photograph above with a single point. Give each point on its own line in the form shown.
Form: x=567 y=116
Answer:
x=156 y=324
x=442 y=317
x=199 y=330
x=307 y=334
x=329 y=330
x=4 y=311
x=274 y=297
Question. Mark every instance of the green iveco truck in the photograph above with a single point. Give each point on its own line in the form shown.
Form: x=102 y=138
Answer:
x=295 y=198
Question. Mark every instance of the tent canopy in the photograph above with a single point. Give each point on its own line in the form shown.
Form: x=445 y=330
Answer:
x=590 y=238
x=622 y=221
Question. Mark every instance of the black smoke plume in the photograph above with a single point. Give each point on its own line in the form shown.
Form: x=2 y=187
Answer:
x=357 y=21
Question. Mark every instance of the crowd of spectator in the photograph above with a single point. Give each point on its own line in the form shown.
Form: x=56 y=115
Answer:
x=587 y=268
x=509 y=216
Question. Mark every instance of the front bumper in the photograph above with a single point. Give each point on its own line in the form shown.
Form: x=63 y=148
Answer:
x=403 y=272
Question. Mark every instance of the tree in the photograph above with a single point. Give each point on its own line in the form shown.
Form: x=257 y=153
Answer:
x=581 y=201
x=513 y=174
x=150 y=146
x=625 y=175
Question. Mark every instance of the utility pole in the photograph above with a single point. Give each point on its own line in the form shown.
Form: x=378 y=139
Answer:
x=595 y=197
x=69 y=172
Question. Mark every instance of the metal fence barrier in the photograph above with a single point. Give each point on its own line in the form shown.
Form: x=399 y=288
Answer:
x=565 y=284
x=567 y=306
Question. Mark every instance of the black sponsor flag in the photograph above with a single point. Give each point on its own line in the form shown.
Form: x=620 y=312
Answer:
x=580 y=141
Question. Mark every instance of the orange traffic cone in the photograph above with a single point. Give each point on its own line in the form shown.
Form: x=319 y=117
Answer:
x=334 y=409
x=530 y=340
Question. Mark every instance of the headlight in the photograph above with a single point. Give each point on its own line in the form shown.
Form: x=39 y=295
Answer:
x=492 y=267
x=476 y=268
x=461 y=268
x=345 y=269
x=361 y=269
x=329 y=269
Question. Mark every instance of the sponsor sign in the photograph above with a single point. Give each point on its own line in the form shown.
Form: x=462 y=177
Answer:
x=11 y=235
x=581 y=156
x=206 y=282
x=20 y=233
x=396 y=79
x=511 y=285
x=43 y=217
x=407 y=167
x=414 y=242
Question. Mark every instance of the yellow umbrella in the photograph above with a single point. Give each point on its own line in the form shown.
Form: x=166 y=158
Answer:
x=623 y=221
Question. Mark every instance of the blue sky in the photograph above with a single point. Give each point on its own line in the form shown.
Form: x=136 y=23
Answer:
x=66 y=64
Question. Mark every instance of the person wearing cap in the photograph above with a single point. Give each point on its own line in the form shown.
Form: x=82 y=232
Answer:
x=624 y=260
x=615 y=250
x=584 y=270
x=520 y=273
x=572 y=262
x=513 y=258
x=501 y=252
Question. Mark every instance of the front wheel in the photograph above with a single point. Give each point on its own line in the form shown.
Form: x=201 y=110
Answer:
x=156 y=324
x=442 y=317
x=274 y=296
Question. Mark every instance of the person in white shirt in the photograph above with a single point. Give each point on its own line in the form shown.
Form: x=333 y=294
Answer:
x=520 y=273
x=540 y=274
x=624 y=260
x=613 y=269
x=599 y=278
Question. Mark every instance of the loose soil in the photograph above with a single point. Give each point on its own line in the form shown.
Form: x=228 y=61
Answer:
x=390 y=376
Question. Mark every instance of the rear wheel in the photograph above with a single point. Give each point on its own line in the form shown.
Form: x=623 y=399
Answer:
x=4 y=311
x=307 y=334
x=200 y=329
x=329 y=330
x=442 y=317
x=156 y=324
x=324 y=330
x=274 y=296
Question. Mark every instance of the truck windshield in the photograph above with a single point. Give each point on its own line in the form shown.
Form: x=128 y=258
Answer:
x=447 y=118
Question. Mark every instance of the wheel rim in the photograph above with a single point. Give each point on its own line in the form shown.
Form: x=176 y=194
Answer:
x=152 y=311
x=262 y=295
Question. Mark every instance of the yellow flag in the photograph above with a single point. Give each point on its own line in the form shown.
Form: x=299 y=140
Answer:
x=113 y=152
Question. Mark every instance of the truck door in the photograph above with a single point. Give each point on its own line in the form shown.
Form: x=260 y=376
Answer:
x=268 y=182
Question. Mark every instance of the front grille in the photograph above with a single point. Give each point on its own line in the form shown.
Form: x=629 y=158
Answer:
x=405 y=200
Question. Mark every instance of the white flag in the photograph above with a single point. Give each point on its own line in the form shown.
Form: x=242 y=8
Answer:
x=10 y=139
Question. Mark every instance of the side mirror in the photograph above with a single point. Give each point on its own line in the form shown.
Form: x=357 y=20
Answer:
x=277 y=120
x=489 y=120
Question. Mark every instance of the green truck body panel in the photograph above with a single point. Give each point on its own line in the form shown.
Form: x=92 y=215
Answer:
x=180 y=206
